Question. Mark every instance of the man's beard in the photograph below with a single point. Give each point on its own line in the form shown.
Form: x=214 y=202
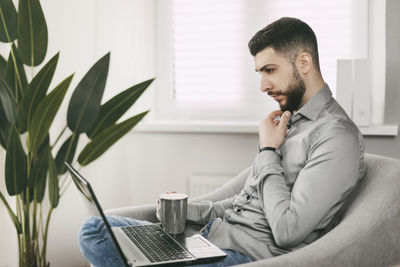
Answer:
x=294 y=93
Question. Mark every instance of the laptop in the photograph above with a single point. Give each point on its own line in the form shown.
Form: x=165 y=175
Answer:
x=146 y=245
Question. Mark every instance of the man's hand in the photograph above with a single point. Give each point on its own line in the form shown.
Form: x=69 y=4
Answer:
x=272 y=132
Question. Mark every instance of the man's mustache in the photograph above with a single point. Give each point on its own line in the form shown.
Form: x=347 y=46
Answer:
x=276 y=93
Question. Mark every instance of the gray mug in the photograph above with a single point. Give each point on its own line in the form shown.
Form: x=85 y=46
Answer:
x=173 y=212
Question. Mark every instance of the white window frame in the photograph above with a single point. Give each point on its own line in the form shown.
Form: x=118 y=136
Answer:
x=367 y=111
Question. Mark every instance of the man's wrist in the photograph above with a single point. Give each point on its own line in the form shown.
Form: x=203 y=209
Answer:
x=268 y=148
x=276 y=145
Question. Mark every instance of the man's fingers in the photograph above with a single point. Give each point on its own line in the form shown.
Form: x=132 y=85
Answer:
x=158 y=210
x=274 y=114
x=285 y=119
x=158 y=215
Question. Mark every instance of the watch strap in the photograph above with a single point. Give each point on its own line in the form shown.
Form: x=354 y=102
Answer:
x=267 y=148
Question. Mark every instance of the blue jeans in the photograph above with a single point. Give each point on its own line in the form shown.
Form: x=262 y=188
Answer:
x=96 y=244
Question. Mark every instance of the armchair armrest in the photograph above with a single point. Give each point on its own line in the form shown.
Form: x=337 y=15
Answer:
x=148 y=212
x=228 y=189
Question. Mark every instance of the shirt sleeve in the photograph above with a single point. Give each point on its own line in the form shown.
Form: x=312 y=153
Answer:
x=330 y=173
x=203 y=211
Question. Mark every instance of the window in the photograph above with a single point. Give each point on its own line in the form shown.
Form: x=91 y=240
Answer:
x=206 y=71
x=205 y=74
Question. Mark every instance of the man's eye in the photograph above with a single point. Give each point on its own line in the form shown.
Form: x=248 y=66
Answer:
x=269 y=70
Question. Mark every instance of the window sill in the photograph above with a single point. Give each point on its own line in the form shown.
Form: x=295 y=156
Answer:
x=235 y=127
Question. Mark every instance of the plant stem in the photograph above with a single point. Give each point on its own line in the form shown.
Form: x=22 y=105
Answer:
x=39 y=230
x=41 y=221
x=35 y=228
x=59 y=136
x=28 y=239
x=19 y=250
x=34 y=217
x=27 y=234
x=45 y=237
x=21 y=217
x=14 y=218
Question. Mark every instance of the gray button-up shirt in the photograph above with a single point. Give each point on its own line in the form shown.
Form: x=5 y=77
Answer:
x=291 y=196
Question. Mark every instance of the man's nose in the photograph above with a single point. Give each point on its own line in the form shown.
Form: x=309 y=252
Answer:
x=265 y=85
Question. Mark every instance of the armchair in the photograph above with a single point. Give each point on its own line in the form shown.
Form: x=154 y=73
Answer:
x=367 y=235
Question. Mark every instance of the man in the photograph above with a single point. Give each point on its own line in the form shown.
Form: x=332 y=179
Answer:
x=306 y=165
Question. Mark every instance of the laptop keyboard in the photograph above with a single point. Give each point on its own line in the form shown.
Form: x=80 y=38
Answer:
x=155 y=244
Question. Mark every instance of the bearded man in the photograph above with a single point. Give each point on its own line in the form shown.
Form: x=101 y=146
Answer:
x=310 y=157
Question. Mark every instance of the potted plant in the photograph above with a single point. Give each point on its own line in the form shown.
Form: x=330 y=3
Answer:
x=34 y=163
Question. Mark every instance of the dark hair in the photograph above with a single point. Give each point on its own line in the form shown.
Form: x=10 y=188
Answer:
x=287 y=36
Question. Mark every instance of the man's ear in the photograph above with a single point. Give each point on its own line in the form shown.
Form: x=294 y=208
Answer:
x=304 y=62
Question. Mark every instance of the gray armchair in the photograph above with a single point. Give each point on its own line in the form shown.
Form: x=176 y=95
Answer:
x=368 y=234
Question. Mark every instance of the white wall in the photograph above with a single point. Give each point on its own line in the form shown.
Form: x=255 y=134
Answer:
x=141 y=165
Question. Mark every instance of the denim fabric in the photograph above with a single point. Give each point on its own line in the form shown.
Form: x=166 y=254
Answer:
x=207 y=228
x=96 y=244
x=95 y=241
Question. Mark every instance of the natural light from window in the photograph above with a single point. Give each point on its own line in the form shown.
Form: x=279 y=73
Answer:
x=212 y=68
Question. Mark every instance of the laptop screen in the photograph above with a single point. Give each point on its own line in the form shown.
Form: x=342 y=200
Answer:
x=88 y=195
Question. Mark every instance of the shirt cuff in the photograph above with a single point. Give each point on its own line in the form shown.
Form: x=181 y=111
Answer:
x=268 y=160
x=194 y=211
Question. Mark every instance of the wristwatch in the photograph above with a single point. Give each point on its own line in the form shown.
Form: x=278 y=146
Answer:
x=267 y=148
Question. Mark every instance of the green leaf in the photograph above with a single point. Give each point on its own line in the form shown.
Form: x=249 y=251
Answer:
x=8 y=21
x=37 y=178
x=7 y=106
x=7 y=112
x=5 y=127
x=17 y=82
x=7 y=102
x=45 y=113
x=85 y=102
x=107 y=138
x=45 y=145
x=113 y=109
x=54 y=191
x=15 y=164
x=66 y=153
x=31 y=32
x=35 y=92
x=3 y=65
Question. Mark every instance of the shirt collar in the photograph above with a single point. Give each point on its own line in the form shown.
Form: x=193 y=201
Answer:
x=315 y=105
